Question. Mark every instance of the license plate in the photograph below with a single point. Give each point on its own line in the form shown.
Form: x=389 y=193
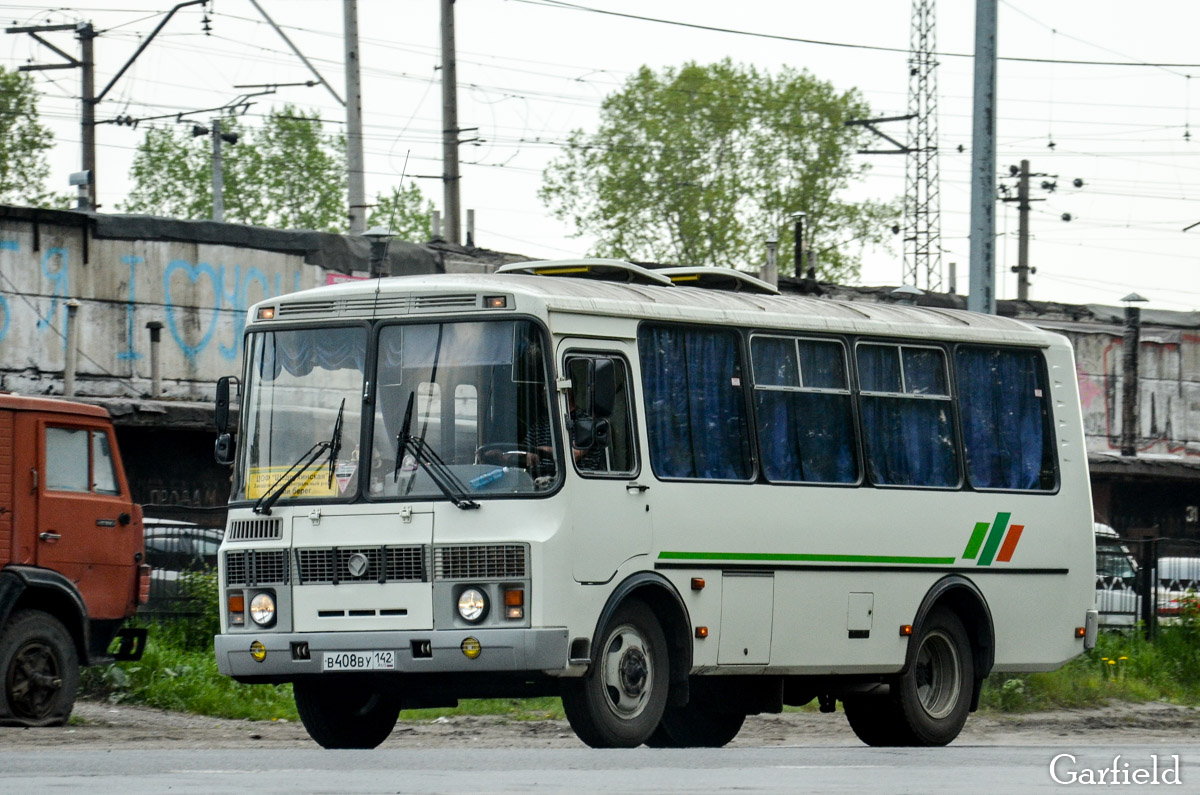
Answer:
x=359 y=661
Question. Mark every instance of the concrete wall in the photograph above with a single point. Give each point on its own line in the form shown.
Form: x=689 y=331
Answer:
x=1168 y=389
x=198 y=291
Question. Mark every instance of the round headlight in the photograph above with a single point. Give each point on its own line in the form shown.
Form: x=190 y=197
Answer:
x=262 y=609
x=472 y=605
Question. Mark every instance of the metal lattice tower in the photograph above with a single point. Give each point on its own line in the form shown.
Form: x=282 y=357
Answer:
x=922 y=194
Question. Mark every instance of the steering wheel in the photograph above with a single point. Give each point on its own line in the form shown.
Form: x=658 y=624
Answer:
x=503 y=453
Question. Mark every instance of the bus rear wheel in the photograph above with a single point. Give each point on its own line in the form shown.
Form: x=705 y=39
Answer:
x=40 y=670
x=928 y=704
x=348 y=713
x=620 y=701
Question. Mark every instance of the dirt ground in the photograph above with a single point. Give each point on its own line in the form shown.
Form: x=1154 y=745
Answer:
x=107 y=726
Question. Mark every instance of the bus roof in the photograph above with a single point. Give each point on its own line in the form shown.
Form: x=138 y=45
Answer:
x=582 y=296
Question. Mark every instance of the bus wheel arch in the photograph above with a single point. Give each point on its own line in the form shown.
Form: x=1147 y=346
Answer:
x=639 y=636
x=962 y=597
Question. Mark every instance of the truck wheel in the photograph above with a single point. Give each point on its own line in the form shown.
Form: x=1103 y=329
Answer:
x=619 y=703
x=40 y=668
x=346 y=713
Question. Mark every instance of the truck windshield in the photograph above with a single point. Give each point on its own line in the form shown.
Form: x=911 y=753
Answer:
x=299 y=380
x=473 y=396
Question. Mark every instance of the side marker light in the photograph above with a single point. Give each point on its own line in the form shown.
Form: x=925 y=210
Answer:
x=701 y=632
x=1080 y=632
x=905 y=630
x=697 y=583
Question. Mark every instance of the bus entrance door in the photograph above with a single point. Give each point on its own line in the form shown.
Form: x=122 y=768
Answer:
x=610 y=502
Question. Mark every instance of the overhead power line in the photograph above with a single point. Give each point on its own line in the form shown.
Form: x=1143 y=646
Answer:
x=846 y=45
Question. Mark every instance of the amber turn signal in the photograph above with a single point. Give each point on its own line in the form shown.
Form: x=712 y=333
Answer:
x=1080 y=632
x=905 y=630
x=514 y=597
x=697 y=583
x=237 y=604
x=701 y=632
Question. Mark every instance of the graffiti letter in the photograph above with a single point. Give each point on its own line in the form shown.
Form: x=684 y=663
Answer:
x=193 y=273
x=132 y=262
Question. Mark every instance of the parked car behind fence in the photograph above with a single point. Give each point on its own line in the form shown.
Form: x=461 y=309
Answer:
x=1166 y=571
x=173 y=548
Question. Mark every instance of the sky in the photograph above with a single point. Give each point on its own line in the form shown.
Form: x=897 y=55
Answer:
x=531 y=71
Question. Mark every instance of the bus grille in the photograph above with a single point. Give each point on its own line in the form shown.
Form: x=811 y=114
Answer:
x=256 y=567
x=384 y=564
x=256 y=530
x=480 y=562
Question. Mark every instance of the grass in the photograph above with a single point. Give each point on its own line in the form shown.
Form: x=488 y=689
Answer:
x=179 y=672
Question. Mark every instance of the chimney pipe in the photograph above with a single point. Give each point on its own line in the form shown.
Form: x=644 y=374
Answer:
x=799 y=250
x=155 y=371
x=72 y=355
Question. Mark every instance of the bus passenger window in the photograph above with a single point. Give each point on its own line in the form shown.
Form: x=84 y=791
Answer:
x=906 y=416
x=802 y=406
x=695 y=407
x=1005 y=418
x=611 y=450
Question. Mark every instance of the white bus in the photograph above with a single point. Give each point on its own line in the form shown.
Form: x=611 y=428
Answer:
x=674 y=498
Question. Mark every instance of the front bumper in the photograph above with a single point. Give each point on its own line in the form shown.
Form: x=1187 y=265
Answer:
x=507 y=650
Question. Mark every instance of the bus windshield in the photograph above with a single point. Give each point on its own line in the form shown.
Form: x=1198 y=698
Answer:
x=299 y=382
x=471 y=394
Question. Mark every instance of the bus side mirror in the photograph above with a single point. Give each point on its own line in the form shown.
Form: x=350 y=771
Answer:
x=223 y=449
x=588 y=433
x=604 y=387
x=221 y=412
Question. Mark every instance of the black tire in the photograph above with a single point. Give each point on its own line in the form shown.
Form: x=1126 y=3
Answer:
x=39 y=667
x=346 y=713
x=695 y=726
x=619 y=702
x=928 y=704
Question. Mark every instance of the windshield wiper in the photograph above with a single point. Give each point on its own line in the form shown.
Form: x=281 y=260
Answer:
x=441 y=475
x=306 y=460
x=335 y=443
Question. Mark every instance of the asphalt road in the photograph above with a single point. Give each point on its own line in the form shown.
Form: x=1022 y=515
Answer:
x=957 y=769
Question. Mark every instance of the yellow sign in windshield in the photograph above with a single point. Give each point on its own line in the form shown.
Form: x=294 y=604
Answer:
x=314 y=482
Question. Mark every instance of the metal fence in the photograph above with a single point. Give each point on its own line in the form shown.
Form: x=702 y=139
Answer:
x=1145 y=582
x=173 y=549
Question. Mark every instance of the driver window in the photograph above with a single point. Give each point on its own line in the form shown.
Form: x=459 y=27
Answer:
x=611 y=448
x=66 y=459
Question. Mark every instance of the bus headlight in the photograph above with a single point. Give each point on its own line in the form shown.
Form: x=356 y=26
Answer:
x=262 y=609
x=472 y=605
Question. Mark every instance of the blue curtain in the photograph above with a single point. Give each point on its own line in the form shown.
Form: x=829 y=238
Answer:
x=300 y=351
x=1002 y=404
x=909 y=441
x=803 y=436
x=695 y=407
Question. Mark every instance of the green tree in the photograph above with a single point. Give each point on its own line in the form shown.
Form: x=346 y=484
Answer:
x=287 y=174
x=24 y=142
x=700 y=165
x=405 y=211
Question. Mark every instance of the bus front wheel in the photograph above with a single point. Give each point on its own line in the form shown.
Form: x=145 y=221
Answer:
x=346 y=713
x=619 y=702
x=928 y=704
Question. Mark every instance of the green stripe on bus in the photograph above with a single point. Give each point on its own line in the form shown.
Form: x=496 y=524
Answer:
x=994 y=538
x=976 y=539
x=807 y=558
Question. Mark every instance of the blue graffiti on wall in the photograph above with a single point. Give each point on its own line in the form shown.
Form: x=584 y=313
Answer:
x=60 y=280
x=235 y=299
x=6 y=245
x=129 y=353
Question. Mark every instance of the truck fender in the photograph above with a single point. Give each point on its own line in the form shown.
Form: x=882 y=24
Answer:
x=16 y=579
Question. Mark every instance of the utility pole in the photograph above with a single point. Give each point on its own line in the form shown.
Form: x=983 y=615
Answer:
x=87 y=108
x=922 y=182
x=982 y=295
x=218 y=174
x=86 y=64
x=354 y=140
x=450 y=131
x=1022 y=267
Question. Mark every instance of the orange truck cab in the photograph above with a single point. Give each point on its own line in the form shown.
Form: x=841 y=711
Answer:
x=71 y=555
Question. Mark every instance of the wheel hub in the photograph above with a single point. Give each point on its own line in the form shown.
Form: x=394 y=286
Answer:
x=634 y=671
x=33 y=681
